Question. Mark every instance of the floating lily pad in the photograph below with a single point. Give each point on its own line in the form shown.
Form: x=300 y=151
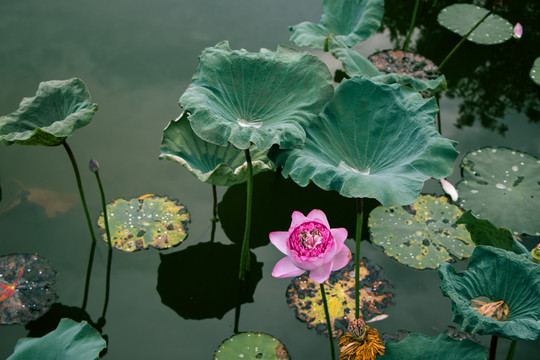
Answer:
x=535 y=71
x=70 y=341
x=25 y=292
x=498 y=182
x=214 y=289
x=59 y=108
x=421 y=235
x=342 y=24
x=460 y=18
x=372 y=140
x=440 y=347
x=251 y=346
x=304 y=296
x=243 y=98
x=210 y=163
x=501 y=277
x=149 y=220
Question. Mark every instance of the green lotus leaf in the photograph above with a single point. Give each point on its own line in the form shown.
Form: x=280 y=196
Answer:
x=421 y=235
x=535 y=71
x=440 y=347
x=210 y=163
x=251 y=346
x=372 y=140
x=484 y=233
x=497 y=180
x=243 y=98
x=354 y=63
x=342 y=24
x=148 y=220
x=460 y=18
x=503 y=283
x=59 y=108
x=25 y=288
x=70 y=341
x=304 y=296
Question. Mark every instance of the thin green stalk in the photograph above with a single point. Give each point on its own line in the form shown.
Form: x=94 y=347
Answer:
x=439 y=125
x=88 y=275
x=214 y=207
x=359 y=223
x=511 y=350
x=463 y=39
x=411 y=26
x=493 y=347
x=328 y=323
x=244 y=258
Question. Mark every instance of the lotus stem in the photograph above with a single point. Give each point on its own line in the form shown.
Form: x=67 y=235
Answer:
x=88 y=275
x=411 y=26
x=214 y=208
x=244 y=258
x=326 y=46
x=463 y=39
x=328 y=323
x=439 y=124
x=511 y=350
x=493 y=347
x=359 y=223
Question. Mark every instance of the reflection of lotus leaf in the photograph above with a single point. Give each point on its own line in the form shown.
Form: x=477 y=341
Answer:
x=251 y=346
x=146 y=221
x=343 y=24
x=70 y=341
x=372 y=140
x=59 y=108
x=497 y=181
x=213 y=164
x=24 y=288
x=194 y=296
x=460 y=18
x=421 y=235
x=303 y=294
x=497 y=275
x=440 y=347
x=241 y=97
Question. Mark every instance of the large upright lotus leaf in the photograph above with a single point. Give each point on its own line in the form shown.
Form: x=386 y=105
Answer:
x=460 y=18
x=503 y=186
x=25 y=292
x=372 y=140
x=145 y=221
x=342 y=24
x=251 y=346
x=484 y=233
x=59 y=108
x=70 y=341
x=422 y=235
x=535 y=71
x=440 y=347
x=210 y=163
x=262 y=98
x=304 y=296
x=495 y=276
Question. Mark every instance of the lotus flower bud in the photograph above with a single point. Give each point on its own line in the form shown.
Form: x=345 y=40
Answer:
x=93 y=165
x=449 y=189
x=535 y=252
x=518 y=31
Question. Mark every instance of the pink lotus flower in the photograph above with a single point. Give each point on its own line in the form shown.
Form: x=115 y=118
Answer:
x=310 y=245
x=518 y=31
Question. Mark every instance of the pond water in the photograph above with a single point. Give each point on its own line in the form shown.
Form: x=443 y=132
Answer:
x=137 y=57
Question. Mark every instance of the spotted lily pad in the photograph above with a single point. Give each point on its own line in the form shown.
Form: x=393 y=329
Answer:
x=535 y=71
x=423 y=234
x=304 y=296
x=59 y=108
x=495 y=278
x=149 y=220
x=251 y=346
x=460 y=18
x=70 y=341
x=498 y=182
x=372 y=140
x=440 y=347
x=210 y=163
x=243 y=98
x=343 y=24
x=25 y=292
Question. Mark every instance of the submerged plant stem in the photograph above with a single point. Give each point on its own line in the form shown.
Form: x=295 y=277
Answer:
x=493 y=347
x=463 y=39
x=411 y=26
x=359 y=223
x=328 y=322
x=511 y=350
x=244 y=257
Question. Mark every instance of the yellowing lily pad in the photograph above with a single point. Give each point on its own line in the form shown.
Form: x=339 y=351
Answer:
x=251 y=346
x=421 y=235
x=304 y=296
x=149 y=220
